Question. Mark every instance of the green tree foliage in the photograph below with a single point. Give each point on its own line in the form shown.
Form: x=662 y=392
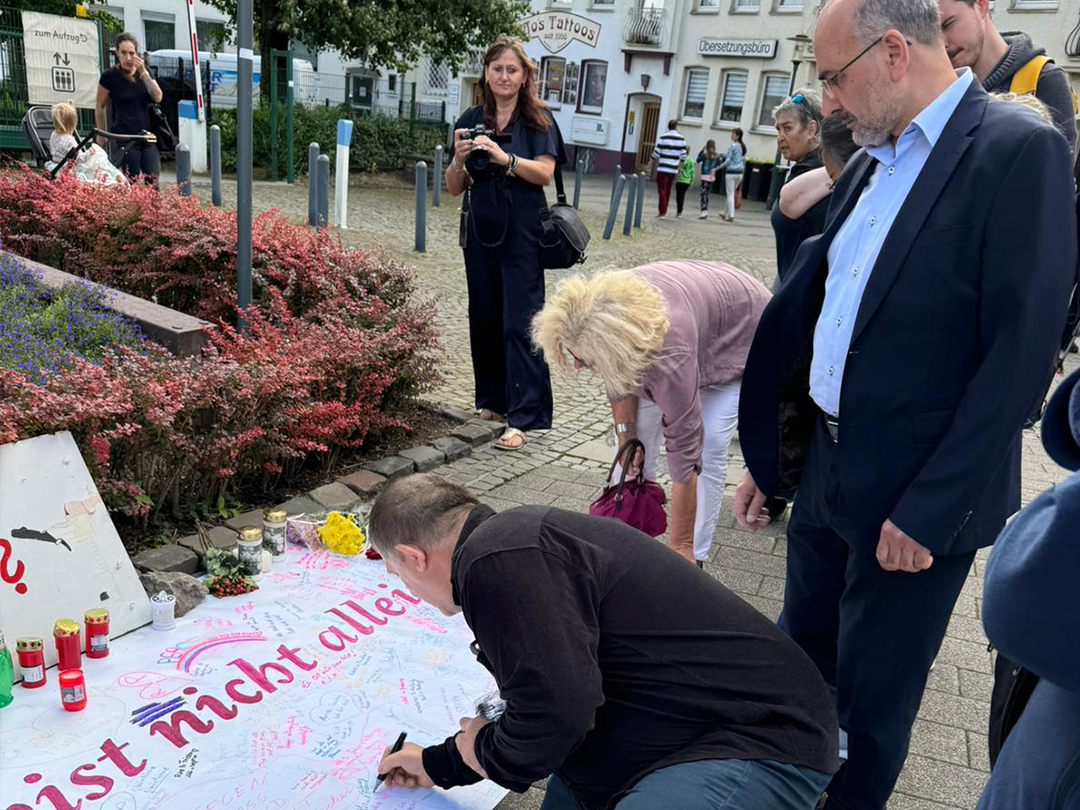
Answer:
x=66 y=8
x=382 y=32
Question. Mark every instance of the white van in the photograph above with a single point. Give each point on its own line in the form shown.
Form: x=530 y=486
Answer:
x=223 y=75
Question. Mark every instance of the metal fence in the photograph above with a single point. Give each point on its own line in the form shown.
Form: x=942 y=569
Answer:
x=13 y=96
x=357 y=94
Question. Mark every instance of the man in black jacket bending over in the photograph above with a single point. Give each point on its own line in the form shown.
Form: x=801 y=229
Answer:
x=633 y=679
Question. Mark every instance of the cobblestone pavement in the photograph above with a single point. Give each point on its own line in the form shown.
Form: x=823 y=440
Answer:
x=565 y=466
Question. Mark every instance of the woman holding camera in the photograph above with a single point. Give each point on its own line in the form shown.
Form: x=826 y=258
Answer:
x=504 y=154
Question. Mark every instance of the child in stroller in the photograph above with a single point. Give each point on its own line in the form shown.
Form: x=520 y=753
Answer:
x=92 y=163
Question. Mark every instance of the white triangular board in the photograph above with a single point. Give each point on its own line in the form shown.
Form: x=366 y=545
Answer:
x=60 y=554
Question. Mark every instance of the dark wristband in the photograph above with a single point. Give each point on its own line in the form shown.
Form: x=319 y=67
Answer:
x=445 y=767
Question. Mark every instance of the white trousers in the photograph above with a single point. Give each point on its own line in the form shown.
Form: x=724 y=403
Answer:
x=731 y=180
x=719 y=416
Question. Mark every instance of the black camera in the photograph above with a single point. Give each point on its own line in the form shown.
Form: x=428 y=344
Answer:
x=478 y=163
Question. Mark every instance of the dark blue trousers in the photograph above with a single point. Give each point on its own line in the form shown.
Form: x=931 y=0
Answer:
x=506 y=288
x=872 y=633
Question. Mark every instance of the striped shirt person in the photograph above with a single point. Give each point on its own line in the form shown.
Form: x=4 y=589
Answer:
x=667 y=156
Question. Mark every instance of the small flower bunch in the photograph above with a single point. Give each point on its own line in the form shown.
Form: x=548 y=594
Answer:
x=341 y=534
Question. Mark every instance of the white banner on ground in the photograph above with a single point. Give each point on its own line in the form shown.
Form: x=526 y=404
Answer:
x=283 y=698
x=60 y=554
x=63 y=59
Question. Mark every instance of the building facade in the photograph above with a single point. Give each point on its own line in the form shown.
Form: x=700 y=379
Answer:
x=713 y=65
x=739 y=58
x=163 y=24
x=615 y=71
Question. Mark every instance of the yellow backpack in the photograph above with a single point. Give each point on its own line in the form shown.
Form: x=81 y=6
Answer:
x=1026 y=79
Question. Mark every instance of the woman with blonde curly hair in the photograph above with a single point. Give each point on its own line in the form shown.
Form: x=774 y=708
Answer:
x=669 y=340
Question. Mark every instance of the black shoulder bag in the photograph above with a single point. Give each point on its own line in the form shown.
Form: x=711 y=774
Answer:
x=565 y=237
x=159 y=125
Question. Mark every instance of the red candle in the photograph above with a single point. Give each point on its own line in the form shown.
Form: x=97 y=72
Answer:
x=97 y=632
x=31 y=654
x=66 y=635
x=73 y=690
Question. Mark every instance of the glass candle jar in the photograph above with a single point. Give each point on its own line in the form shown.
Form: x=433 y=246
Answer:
x=273 y=533
x=31 y=652
x=66 y=636
x=97 y=632
x=249 y=550
x=73 y=690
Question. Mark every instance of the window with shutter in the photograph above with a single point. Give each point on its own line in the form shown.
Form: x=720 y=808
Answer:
x=697 y=85
x=775 y=91
x=732 y=96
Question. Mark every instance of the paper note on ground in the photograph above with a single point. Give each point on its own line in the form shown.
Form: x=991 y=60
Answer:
x=281 y=698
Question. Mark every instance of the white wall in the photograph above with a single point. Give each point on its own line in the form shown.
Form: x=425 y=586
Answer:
x=135 y=13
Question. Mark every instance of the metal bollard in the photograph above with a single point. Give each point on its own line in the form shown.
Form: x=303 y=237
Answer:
x=613 y=211
x=577 y=182
x=631 y=198
x=642 y=179
x=313 y=185
x=324 y=190
x=215 y=165
x=341 y=177
x=183 y=170
x=421 y=206
x=615 y=178
x=436 y=179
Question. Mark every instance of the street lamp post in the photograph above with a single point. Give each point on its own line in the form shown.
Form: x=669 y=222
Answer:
x=798 y=56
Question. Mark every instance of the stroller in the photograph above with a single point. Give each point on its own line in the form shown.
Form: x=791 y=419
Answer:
x=38 y=127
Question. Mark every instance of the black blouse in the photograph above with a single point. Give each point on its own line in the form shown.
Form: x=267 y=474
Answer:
x=493 y=200
x=130 y=103
x=790 y=233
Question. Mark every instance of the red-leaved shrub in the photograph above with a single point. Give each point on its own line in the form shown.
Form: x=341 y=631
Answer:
x=336 y=344
x=157 y=244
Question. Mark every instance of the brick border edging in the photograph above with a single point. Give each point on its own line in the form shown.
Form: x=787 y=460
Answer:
x=345 y=492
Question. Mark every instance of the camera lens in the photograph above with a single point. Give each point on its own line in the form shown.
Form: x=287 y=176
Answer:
x=478 y=160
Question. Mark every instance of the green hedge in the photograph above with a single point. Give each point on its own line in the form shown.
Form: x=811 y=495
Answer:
x=378 y=141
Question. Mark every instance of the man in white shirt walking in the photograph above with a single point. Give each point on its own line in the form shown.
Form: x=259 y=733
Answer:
x=666 y=157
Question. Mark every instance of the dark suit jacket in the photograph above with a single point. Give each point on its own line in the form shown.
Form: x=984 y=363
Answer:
x=953 y=341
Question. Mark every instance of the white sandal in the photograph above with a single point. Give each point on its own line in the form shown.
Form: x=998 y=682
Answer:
x=509 y=435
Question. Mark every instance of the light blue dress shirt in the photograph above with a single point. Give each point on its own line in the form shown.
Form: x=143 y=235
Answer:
x=855 y=249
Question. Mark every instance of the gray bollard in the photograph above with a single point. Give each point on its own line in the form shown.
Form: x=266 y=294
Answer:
x=615 y=178
x=436 y=178
x=631 y=198
x=421 y=207
x=215 y=165
x=577 y=182
x=613 y=211
x=643 y=177
x=183 y=170
x=313 y=185
x=324 y=190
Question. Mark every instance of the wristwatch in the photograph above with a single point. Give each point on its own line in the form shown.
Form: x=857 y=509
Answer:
x=624 y=427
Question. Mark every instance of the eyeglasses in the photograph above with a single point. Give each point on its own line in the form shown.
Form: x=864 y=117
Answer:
x=830 y=84
x=577 y=359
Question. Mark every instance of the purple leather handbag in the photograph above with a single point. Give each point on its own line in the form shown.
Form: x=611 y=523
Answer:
x=637 y=502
